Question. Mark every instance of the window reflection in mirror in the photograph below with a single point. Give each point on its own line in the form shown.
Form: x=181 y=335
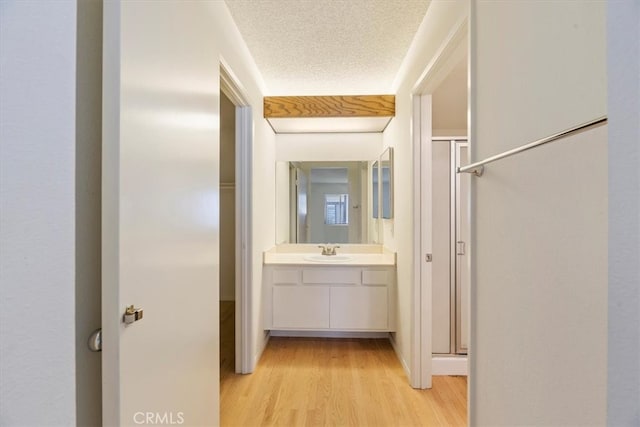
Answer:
x=323 y=202
x=336 y=209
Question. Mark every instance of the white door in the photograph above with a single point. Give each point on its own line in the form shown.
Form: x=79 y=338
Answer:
x=422 y=310
x=160 y=217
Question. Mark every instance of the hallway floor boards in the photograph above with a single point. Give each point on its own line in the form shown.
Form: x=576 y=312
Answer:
x=336 y=382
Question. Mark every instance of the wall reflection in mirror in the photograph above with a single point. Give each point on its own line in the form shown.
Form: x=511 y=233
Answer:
x=386 y=178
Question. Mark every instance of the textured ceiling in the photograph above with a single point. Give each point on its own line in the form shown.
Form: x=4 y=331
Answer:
x=328 y=47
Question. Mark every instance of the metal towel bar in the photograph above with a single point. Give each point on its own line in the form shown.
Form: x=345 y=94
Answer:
x=477 y=168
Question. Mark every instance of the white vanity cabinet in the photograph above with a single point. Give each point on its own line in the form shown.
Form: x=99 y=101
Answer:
x=329 y=298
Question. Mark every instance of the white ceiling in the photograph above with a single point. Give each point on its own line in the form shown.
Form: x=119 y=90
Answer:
x=328 y=47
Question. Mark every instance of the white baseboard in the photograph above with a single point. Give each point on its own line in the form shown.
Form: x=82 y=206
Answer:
x=449 y=365
x=329 y=334
x=256 y=357
x=400 y=356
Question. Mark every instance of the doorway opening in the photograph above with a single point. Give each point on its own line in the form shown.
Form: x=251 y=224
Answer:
x=440 y=110
x=450 y=239
x=235 y=226
x=227 y=236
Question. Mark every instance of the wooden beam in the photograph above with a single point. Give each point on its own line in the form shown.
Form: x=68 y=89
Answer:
x=329 y=106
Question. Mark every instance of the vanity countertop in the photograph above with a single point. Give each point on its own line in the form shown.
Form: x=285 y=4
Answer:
x=347 y=255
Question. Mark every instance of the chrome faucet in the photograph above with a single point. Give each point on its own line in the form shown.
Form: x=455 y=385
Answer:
x=328 y=249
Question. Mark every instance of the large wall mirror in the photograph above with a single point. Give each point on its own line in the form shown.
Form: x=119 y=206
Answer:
x=323 y=202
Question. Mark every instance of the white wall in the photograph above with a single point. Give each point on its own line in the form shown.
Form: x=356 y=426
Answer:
x=37 y=192
x=538 y=352
x=398 y=233
x=450 y=102
x=623 y=46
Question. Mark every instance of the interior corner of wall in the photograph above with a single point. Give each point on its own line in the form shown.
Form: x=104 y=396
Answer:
x=399 y=354
x=262 y=345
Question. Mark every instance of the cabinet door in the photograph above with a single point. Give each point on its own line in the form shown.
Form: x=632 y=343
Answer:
x=301 y=307
x=361 y=307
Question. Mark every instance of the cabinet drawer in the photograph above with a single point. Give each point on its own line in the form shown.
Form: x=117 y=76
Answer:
x=303 y=307
x=332 y=276
x=359 y=308
x=286 y=276
x=375 y=277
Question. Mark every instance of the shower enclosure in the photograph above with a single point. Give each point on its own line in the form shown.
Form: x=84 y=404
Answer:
x=450 y=246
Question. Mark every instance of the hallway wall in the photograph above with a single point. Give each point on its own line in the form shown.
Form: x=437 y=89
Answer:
x=623 y=50
x=398 y=233
x=539 y=268
x=38 y=213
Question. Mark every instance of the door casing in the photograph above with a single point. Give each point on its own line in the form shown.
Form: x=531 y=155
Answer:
x=244 y=118
x=450 y=51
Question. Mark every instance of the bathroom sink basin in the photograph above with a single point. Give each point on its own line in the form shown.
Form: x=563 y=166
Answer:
x=328 y=258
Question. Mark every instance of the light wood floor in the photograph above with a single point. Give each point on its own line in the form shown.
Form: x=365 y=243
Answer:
x=336 y=382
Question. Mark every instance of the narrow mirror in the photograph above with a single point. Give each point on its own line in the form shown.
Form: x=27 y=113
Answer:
x=386 y=179
x=374 y=193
